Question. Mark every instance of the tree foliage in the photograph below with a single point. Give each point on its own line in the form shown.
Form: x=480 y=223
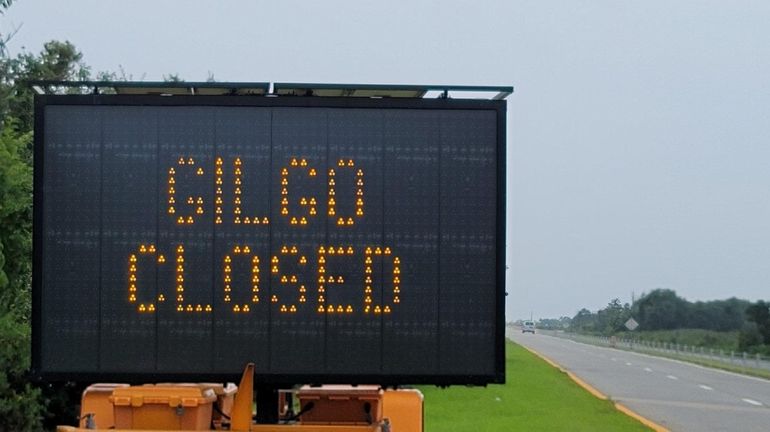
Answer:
x=21 y=405
x=605 y=321
x=661 y=309
x=57 y=61
x=759 y=314
x=15 y=222
x=664 y=310
x=173 y=78
x=561 y=323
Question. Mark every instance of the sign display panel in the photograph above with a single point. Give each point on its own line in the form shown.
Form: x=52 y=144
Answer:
x=324 y=240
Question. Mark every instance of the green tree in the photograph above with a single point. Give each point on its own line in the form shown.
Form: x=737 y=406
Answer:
x=15 y=223
x=21 y=408
x=759 y=314
x=719 y=315
x=58 y=61
x=173 y=78
x=584 y=321
x=661 y=309
x=613 y=317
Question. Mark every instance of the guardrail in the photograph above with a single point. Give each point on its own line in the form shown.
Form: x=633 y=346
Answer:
x=739 y=361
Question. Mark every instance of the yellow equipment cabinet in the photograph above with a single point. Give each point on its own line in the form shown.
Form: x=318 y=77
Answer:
x=165 y=407
x=403 y=409
x=225 y=397
x=341 y=404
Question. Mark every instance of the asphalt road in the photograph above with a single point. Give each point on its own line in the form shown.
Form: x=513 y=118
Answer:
x=680 y=396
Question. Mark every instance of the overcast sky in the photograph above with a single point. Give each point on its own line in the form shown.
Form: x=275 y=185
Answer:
x=638 y=135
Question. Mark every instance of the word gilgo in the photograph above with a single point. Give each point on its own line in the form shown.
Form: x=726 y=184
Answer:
x=299 y=165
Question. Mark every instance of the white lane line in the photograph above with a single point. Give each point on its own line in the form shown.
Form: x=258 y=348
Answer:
x=614 y=359
x=671 y=377
x=705 y=387
x=752 y=401
x=628 y=364
x=647 y=369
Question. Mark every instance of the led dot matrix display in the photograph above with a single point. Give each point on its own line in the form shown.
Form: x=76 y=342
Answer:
x=325 y=240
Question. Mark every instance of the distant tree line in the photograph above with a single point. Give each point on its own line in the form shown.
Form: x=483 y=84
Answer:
x=604 y=321
x=663 y=309
x=561 y=323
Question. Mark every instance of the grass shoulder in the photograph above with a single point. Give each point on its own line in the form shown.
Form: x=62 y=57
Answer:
x=536 y=397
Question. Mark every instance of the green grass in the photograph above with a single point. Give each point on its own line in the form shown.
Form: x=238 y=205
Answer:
x=536 y=397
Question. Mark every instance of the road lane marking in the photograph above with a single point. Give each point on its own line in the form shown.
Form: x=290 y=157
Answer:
x=716 y=407
x=628 y=364
x=705 y=387
x=614 y=359
x=647 y=369
x=672 y=377
x=752 y=401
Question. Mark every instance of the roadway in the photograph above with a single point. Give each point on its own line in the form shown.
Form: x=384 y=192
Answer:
x=677 y=395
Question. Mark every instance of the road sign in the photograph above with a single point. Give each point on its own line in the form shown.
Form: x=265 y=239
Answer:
x=323 y=239
x=631 y=324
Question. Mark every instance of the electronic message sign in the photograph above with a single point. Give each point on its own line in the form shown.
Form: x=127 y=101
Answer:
x=344 y=240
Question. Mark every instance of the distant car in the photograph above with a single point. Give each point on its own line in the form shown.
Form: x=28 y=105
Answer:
x=528 y=327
